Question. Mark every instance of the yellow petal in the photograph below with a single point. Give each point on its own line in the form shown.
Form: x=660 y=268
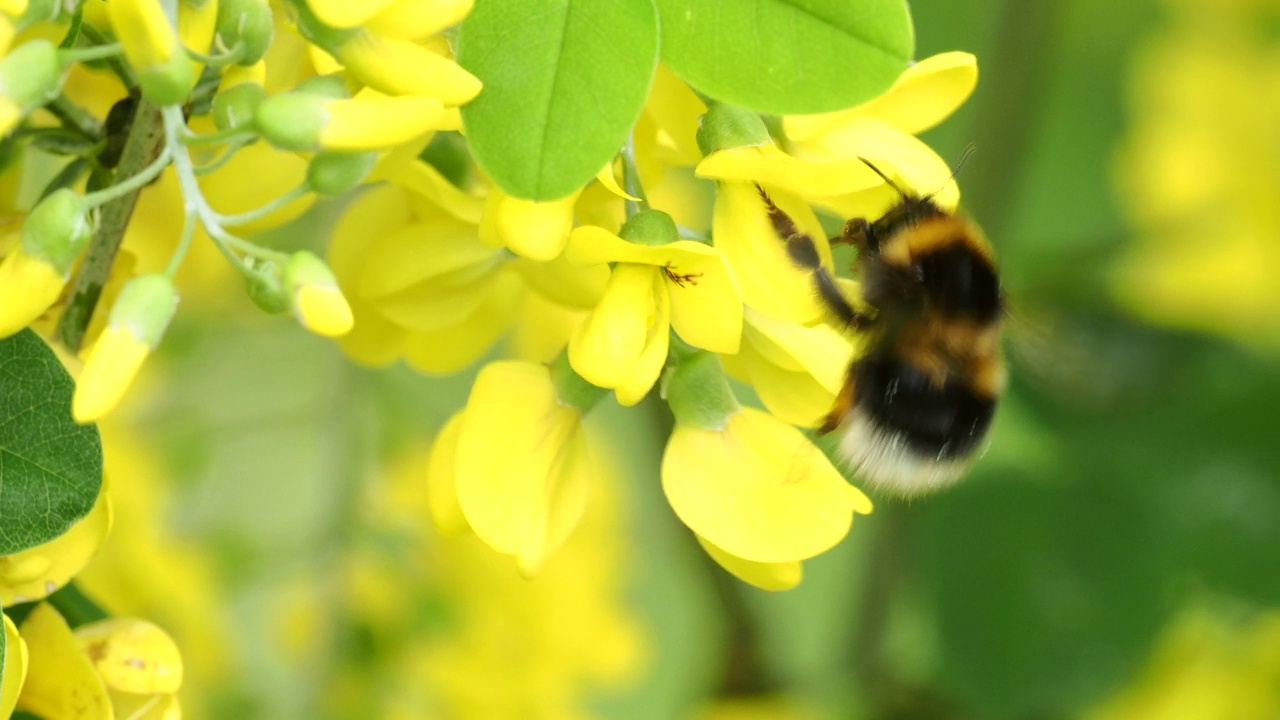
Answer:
x=758 y=489
x=706 y=306
x=766 y=576
x=522 y=465
x=374 y=340
x=442 y=493
x=133 y=656
x=423 y=180
x=15 y=668
x=402 y=67
x=543 y=328
x=144 y=31
x=532 y=229
x=28 y=287
x=922 y=97
x=377 y=122
x=793 y=396
x=649 y=365
x=323 y=310
x=675 y=110
x=913 y=164
x=608 y=346
x=576 y=286
x=817 y=175
x=430 y=251
x=820 y=351
x=61 y=682
x=418 y=18
x=108 y=371
x=606 y=178
x=36 y=572
x=768 y=279
x=376 y=212
x=452 y=348
x=346 y=14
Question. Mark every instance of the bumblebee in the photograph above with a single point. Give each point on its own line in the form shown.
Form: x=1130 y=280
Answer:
x=915 y=408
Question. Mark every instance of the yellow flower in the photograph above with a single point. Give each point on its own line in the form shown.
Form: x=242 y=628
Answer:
x=368 y=121
x=532 y=229
x=137 y=321
x=1196 y=165
x=153 y=49
x=622 y=344
x=112 y=668
x=316 y=300
x=37 y=572
x=15 y=668
x=770 y=281
x=753 y=488
x=522 y=461
x=28 y=287
x=1206 y=667
x=797 y=370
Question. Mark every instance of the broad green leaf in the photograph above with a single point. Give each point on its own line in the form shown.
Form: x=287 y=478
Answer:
x=50 y=467
x=563 y=84
x=787 y=56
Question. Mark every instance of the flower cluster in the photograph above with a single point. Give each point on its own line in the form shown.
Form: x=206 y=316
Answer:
x=166 y=124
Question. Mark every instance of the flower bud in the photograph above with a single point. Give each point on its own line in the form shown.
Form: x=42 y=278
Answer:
x=316 y=300
x=235 y=106
x=329 y=86
x=331 y=173
x=30 y=76
x=650 y=227
x=132 y=656
x=33 y=275
x=301 y=121
x=247 y=24
x=134 y=328
x=726 y=126
x=151 y=46
x=265 y=287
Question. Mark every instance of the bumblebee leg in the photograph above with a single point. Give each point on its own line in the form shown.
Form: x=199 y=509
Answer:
x=805 y=254
x=841 y=408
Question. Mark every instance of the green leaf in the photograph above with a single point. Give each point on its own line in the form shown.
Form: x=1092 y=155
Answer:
x=787 y=56
x=50 y=467
x=563 y=84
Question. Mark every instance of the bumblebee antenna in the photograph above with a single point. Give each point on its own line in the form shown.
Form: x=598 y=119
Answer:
x=889 y=181
x=968 y=152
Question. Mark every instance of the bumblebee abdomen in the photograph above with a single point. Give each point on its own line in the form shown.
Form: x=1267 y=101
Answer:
x=908 y=433
x=946 y=422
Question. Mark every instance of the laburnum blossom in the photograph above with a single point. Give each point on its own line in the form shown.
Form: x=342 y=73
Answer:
x=517 y=460
x=427 y=288
x=657 y=283
x=759 y=495
x=113 y=668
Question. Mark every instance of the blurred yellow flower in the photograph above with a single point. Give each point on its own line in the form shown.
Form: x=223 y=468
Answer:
x=15 y=668
x=61 y=680
x=153 y=49
x=1198 y=177
x=532 y=229
x=1206 y=667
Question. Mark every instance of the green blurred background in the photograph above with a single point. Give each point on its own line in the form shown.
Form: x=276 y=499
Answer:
x=1134 y=473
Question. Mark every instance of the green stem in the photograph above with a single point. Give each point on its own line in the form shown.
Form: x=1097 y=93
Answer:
x=264 y=210
x=230 y=57
x=75 y=117
x=115 y=62
x=145 y=137
x=75 y=607
x=131 y=184
x=222 y=159
x=89 y=54
x=230 y=135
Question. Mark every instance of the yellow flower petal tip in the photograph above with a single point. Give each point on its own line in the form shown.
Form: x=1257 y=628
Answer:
x=323 y=310
x=110 y=368
x=773 y=577
x=61 y=681
x=28 y=287
x=534 y=229
x=132 y=656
